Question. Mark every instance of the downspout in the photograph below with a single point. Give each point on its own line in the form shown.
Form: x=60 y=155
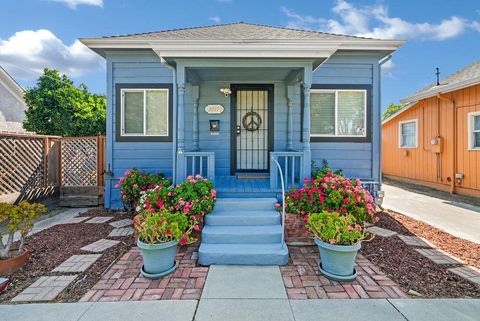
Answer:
x=174 y=131
x=380 y=63
x=454 y=153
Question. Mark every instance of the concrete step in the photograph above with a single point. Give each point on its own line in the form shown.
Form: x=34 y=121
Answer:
x=245 y=254
x=236 y=218
x=242 y=234
x=246 y=204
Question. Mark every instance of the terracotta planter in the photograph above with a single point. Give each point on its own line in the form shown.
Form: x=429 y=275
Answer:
x=14 y=264
x=295 y=230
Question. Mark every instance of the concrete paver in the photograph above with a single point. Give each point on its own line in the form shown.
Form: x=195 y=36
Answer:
x=77 y=263
x=439 y=309
x=459 y=219
x=75 y=220
x=437 y=256
x=244 y=282
x=383 y=232
x=467 y=272
x=99 y=246
x=46 y=288
x=99 y=219
x=44 y=311
x=122 y=223
x=414 y=241
x=122 y=231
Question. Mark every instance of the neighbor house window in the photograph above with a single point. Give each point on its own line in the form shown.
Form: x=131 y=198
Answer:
x=408 y=133
x=145 y=112
x=474 y=130
x=338 y=113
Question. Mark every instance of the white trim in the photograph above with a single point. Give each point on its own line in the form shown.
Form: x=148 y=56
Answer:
x=336 y=91
x=400 y=135
x=11 y=85
x=470 y=120
x=122 y=111
x=401 y=111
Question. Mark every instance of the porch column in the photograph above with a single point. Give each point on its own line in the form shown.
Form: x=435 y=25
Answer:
x=289 y=119
x=180 y=131
x=307 y=169
x=195 y=93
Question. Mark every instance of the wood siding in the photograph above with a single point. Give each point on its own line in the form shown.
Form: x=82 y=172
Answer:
x=436 y=117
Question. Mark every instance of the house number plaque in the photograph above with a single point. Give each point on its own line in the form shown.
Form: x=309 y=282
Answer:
x=214 y=109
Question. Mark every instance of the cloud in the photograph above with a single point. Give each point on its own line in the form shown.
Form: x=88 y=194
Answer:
x=26 y=53
x=75 y=3
x=376 y=22
x=215 y=19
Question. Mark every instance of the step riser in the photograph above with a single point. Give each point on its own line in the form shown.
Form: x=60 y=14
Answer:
x=226 y=220
x=232 y=259
x=245 y=205
x=224 y=195
x=247 y=238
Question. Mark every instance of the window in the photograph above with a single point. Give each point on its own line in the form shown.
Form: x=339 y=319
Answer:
x=145 y=112
x=408 y=137
x=338 y=113
x=474 y=130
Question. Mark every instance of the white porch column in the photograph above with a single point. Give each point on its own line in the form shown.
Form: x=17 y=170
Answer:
x=289 y=118
x=307 y=170
x=180 y=131
x=195 y=93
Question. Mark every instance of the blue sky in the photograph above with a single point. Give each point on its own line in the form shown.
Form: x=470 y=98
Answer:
x=43 y=33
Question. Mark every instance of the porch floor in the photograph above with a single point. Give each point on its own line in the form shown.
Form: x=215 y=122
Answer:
x=232 y=184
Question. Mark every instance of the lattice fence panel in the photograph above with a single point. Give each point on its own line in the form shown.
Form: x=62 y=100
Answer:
x=22 y=163
x=79 y=162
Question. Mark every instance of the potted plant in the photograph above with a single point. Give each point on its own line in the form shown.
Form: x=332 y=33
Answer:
x=338 y=238
x=16 y=218
x=158 y=236
x=135 y=182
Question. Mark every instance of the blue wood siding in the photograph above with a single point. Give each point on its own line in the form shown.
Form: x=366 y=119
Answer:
x=128 y=68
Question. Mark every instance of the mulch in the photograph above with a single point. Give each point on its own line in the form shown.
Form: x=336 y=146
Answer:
x=412 y=271
x=54 y=245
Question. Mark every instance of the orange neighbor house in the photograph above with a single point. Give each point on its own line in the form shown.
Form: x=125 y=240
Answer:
x=435 y=139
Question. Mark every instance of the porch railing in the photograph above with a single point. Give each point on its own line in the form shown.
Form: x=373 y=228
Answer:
x=290 y=164
x=374 y=188
x=282 y=182
x=202 y=163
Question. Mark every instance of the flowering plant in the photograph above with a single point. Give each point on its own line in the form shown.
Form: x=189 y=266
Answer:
x=333 y=228
x=333 y=193
x=136 y=182
x=161 y=227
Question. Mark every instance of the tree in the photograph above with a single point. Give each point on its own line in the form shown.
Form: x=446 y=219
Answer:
x=392 y=109
x=57 y=107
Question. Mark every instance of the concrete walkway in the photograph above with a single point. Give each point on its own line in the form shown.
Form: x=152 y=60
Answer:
x=251 y=310
x=459 y=219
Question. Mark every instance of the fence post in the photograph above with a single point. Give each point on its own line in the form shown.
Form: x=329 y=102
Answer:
x=46 y=150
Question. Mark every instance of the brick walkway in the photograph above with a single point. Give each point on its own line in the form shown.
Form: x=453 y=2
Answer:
x=303 y=280
x=123 y=281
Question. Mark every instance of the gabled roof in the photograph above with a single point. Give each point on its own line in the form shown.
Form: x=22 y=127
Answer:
x=10 y=84
x=235 y=31
x=465 y=77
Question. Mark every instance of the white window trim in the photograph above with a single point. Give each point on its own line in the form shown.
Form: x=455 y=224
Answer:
x=470 y=118
x=122 y=111
x=400 y=123
x=336 y=91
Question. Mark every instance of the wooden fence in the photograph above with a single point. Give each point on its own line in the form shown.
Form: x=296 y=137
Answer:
x=37 y=166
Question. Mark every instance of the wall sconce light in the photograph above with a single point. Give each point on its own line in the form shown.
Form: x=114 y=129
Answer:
x=226 y=91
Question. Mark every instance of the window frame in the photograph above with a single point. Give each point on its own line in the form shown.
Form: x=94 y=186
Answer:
x=121 y=89
x=471 y=130
x=367 y=137
x=400 y=135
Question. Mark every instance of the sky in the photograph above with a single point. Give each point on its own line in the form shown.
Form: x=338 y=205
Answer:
x=43 y=33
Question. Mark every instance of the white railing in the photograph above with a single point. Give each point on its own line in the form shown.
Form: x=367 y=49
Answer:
x=290 y=163
x=202 y=163
x=279 y=168
x=374 y=188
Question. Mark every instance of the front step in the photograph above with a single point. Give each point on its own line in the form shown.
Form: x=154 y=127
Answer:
x=243 y=231
x=244 y=254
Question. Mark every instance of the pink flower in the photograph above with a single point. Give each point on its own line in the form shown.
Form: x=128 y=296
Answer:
x=122 y=179
x=135 y=185
x=196 y=227
x=117 y=185
x=127 y=172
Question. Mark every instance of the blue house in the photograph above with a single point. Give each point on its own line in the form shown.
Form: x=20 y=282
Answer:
x=230 y=101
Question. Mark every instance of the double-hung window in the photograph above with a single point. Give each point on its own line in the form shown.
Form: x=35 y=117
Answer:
x=145 y=112
x=338 y=113
x=474 y=130
x=408 y=133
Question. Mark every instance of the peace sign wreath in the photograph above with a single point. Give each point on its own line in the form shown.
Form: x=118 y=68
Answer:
x=251 y=121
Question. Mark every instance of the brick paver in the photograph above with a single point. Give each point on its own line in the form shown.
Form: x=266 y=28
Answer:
x=437 y=256
x=381 y=231
x=414 y=241
x=303 y=280
x=46 y=288
x=467 y=272
x=74 y=220
x=122 y=231
x=122 y=223
x=123 y=281
x=99 y=246
x=77 y=263
x=99 y=219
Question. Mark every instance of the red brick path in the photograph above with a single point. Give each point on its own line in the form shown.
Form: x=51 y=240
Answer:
x=303 y=279
x=123 y=281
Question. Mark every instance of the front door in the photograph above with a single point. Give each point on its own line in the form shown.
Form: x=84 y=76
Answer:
x=252 y=123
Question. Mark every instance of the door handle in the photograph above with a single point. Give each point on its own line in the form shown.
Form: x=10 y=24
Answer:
x=238 y=130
